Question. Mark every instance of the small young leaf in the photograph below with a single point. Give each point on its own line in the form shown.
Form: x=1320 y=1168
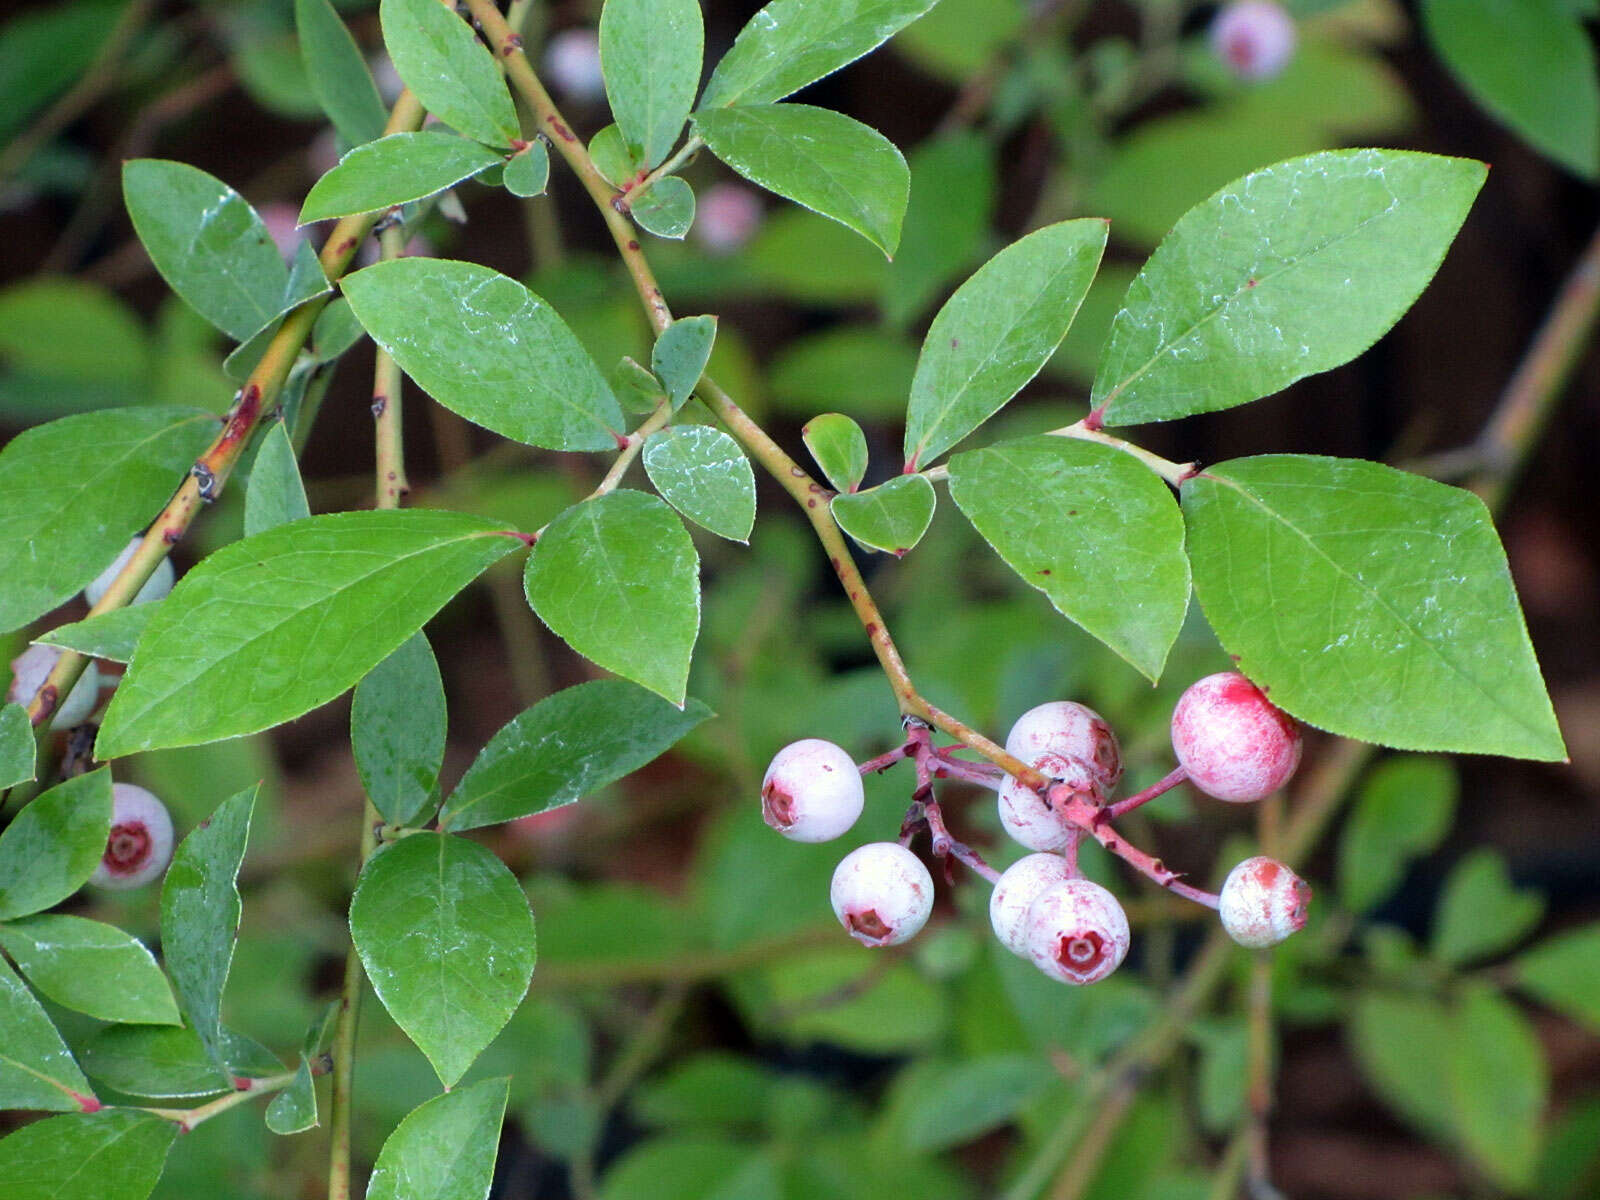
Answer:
x=680 y=355
x=1564 y=972
x=17 y=746
x=891 y=517
x=337 y=73
x=395 y=170
x=445 y=934
x=90 y=968
x=612 y=158
x=618 y=580
x=820 y=159
x=167 y=1062
x=1499 y=1085
x=117 y=1154
x=110 y=635
x=703 y=474
x=336 y=330
x=397 y=730
x=36 y=1068
x=445 y=1148
x=54 y=844
x=276 y=494
x=449 y=69
x=1403 y=811
x=650 y=54
x=528 y=173
x=839 y=447
x=1480 y=911
x=666 y=209
x=294 y=1110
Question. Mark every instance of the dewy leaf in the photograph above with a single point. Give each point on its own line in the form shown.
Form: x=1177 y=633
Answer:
x=1292 y=270
x=107 y=472
x=1480 y=912
x=650 y=53
x=449 y=69
x=1374 y=604
x=117 y=1154
x=270 y=627
x=110 y=635
x=1402 y=813
x=275 y=494
x=200 y=911
x=1498 y=1085
x=90 y=968
x=207 y=243
x=1564 y=972
x=486 y=347
x=1090 y=527
x=563 y=748
x=337 y=73
x=997 y=331
x=294 y=1110
x=839 y=447
x=36 y=1069
x=618 y=580
x=891 y=517
x=791 y=43
x=54 y=844
x=397 y=731
x=703 y=474
x=17 y=746
x=445 y=1148
x=167 y=1062
x=445 y=934
x=666 y=209
x=395 y=170
x=823 y=160
x=528 y=173
x=680 y=355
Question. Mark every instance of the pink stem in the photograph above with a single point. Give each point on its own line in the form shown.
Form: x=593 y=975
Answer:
x=1159 y=788
x=967 y=772
x=945 y=846
x=1092 y=819
x=884 y=761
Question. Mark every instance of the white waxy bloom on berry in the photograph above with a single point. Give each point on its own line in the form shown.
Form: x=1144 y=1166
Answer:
x=1027 y=817
x=1254 y=39
x=572 y=63
x=140 y=845
x=155 y=588
x=1016 y=890
x=882 y=893
x=32 y=667
x=1071 y=730
x=1076 y=932
x=1235 y=744
x=812 y=791
x=1263 y=902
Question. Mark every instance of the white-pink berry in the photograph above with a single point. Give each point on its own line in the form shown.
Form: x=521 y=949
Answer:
x=1026 y=816
x=572 y=63
x=726 y=216
x=1071 y=730
x=32 y=667
x=140 y=845
x=1263 y=902
x=1253 y=38
x=1235 y=744
x=154 y=588
x=812 y=791
x=881 y=893
x=1016 y=890
x=1076 y=932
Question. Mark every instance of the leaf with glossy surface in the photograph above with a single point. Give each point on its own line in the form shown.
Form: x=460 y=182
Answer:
x=997 y=332
x=445 y=934
x=680 y=355
x=839 y=448
x=275 y=494
x=891 y=517
x=271 y=627
x=820 y=159
x=36 y=1068
x=110 y=635
x=1480 y=911
x=397 y=731
x=1564 y=972
x=486 y=347
x=650 y=53
x=1292 y=270
x=1091 y=528
x=54 y=844
x=667 y=209
x=445 y=1148
x=703 y=474
x=117 y=1154
x=338 y=73
x=1403 y=811
x=449 y=69
x=108 y=472
x=618 y=580
x=167 y=1062
x=563 y=748
x=395 y=170
x=1498 y=1085
x=528 y=174
x=90 y=968
x=294 y=1110
x=1393 y=616
x=17 y=748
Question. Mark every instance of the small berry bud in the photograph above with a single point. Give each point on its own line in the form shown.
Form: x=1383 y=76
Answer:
x=812 y=791
x=1071 y=730
x=155 y=588
x=1076 y=932
x=1015 y=891
x=1254 y=39
x=140 y=845
x=1027 y=817
x=1234 y=743
x=882 y=893
x=32 y=667
x=726 y=217
x=1263 y=902
x=572 y=63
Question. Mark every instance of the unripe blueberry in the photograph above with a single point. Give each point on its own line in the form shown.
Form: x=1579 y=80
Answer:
x=1263 y=902
x=155 y=588
x=1234 y=742
x=1076 y=932
x=140 y=845
x=812 y=791
x=882 y=893
x=1016 y=890
x=726 y=216
x=1253 y=38
x=572 y=63
x=1071 y=730
x=32 y=667
x=1027 y=817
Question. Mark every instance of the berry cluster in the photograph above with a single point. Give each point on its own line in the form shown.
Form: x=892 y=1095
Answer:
x=1230 y=741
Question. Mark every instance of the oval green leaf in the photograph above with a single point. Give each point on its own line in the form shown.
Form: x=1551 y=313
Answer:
x=36 y=1068
x=445 y=1148
x=90 y=968
x=1498 y=1084
x=167 y=1062
x=891 y=517
x=54 y=844
x=650 y=53
x=1403 y=811
x=1480 y=911
x=1564 y=972
x=395 y=170
x=338 y=73
x=294 y=1110
x=397 y=731
x=449 y=69
x=528 y=173
x=275 y=494
x=110 y=635
x=703 y=474
x=666 y=209
x=839 y=447
x=117 y=1154
x=680 y=355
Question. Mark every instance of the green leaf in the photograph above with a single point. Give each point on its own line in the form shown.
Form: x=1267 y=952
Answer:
x=36 y=1068
x=666 y=209
x=44 y=51
x=207 y=243
x=1222 y=1082
x=200 y=911
x=1393 y=617
x=338 y=73
x=680 y=355
x=822 y=160
x=275 y=494
x=336 y=330
x=997 y=331
x=449 y=69
x=109 y=471
x=1480 y=912
x=445 y=1148
x=395 y=170
x=563 y=748
x=397 y=731
x=839 y=447
x=650 y=54
x=117 y=1154
x=1292 y=270
x=54 y=844
x=167 y=1062
x=891 y=517
x=703 y=474
x=863 y=370
x=486 y=347
x=947 y=225
x=445 y=934
x=1091 y=528
x=17 y=748
x=1498 y=1085
x=90 y=968
x=270 y=627
x=618 y=580
x=111 y=635
x=1531 y=64
x=1402 y=813
x=612 y=158
x=528 y=173
x=937 y=1105
x=294 y=1110
x=1403 y=1044
x=682 y=1168
x=791 y=43
x=1564 y=972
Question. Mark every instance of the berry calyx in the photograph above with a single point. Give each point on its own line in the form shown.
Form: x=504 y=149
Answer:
x=1076 y=932
x=1263 y=902
x=812 y=791
x=1253 y=38
x=1025 y=814
x=1016 y=890
x=881 y=893
x=32 y=667
x=1071 y=730
x=155 y=588
x=139 y=846
x=1235 y=744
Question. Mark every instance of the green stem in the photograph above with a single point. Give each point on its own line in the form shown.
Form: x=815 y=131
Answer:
x=689 y=149
x=187 y=1118
x=1174 y=473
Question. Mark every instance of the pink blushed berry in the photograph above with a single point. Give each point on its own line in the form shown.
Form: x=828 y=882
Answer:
x=572 y=63
x=881 y=893
x=1254 y=39
x=1071 y=730
x=1076 y=932
x=1235 y=744
x=140 y=844
x=812 y=791
x=154 y=588
x=32 y=667
x=1263 y=902
x=726 y=217
x=1026 y=816
x=1016 y=890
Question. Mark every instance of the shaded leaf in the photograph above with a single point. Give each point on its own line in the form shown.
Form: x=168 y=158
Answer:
x=111 y=635
x=1480 y=912
x=167 y=1062
x=528 y=173
x=54 y=844
x=16 y=745
x=275 y=494
x=397 y=731
x=338 y=73
x=36 y=1068
x=1499 y=1085
x=1403 y=811
x=1564 y=972
x=294 y=1110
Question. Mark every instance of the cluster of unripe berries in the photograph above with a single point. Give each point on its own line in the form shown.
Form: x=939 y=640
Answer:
x=1230 y=741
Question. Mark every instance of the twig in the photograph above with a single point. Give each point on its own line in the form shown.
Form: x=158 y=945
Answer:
x=186 y=1119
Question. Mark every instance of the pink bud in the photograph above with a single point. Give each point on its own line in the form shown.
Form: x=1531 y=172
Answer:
x=812 y=791
x=1016 y=890
x=572 y=64
x=1071 y=730
x=726 y=216
x=882 y=893
x=1263 y=902
x=1234 y=743
x=1076 y=932
x=1253 y=38
x=1025 y=814
x=32 y=667
x=140 y=845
